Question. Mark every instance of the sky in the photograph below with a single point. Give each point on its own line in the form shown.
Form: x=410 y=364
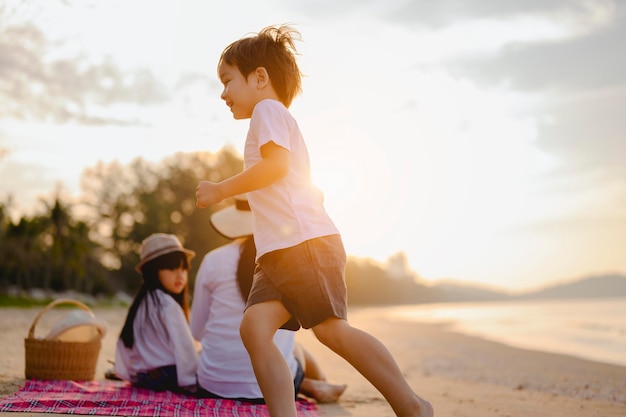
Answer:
x=484 y=140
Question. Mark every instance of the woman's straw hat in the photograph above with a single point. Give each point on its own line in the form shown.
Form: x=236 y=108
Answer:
x=234 y=221
x=159 y=244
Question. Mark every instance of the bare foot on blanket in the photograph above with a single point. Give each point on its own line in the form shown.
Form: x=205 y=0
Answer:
x=322 y=391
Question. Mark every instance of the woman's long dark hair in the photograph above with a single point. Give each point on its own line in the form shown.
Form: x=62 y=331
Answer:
x=150 y=272
x=245 y=268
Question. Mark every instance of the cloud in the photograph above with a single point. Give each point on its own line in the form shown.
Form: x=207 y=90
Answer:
x=437 y=14
x=448 y=12
x=34 y=86
x=589 y=132
x=588 y=61
x=574 y=70
x=584 y=93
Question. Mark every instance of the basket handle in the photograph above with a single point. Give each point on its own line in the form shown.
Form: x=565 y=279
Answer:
x=31 y=332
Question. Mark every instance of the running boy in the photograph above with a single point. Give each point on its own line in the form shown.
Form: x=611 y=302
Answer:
x=299 y=280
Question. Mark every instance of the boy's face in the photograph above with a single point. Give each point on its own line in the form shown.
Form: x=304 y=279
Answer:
x=239 y=93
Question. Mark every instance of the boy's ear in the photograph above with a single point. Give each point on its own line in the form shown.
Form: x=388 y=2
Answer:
x=262 y=77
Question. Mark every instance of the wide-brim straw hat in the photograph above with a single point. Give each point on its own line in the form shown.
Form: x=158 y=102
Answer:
x=234 y=221
x=158 y=244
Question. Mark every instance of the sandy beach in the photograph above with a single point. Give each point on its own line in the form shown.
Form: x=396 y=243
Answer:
x=462 y=376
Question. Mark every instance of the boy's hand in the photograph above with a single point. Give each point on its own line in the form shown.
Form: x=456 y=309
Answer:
x=207 y=194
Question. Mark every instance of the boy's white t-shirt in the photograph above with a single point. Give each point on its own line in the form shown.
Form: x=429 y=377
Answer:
x=291 y=210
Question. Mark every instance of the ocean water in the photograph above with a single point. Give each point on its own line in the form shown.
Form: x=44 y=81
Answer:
x=592 y=329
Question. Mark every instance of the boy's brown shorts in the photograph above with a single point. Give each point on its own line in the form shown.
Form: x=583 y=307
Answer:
x=309 y=279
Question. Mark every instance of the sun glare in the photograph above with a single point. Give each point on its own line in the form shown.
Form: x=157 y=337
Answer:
x=442 y=180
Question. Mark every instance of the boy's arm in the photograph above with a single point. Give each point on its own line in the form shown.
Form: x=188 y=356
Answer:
x=273 y=166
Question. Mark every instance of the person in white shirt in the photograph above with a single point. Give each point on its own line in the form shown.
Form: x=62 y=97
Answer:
x=155 y=349
x=219 y=299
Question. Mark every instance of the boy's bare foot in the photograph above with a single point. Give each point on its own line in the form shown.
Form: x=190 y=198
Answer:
x=418 y=408
x=426 y=408
x=321 y=391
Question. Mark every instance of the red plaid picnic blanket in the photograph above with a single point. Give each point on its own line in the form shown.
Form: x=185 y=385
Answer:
x=112 y=398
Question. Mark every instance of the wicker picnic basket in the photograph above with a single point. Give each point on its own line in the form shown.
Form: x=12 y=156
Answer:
x=55 y=359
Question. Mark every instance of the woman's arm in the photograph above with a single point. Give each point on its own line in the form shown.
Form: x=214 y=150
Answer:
x=201 y=305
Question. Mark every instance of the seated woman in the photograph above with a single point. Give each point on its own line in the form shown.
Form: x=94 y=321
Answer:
x=220 y=292
x=155 y=349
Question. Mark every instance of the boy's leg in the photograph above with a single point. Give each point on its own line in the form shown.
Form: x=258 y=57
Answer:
x=372 y=359
x=258 y=326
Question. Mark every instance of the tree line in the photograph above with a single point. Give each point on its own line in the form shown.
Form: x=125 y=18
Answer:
x=92 y=245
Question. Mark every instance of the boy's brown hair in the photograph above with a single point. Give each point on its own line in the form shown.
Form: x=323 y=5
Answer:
x=273 y=48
